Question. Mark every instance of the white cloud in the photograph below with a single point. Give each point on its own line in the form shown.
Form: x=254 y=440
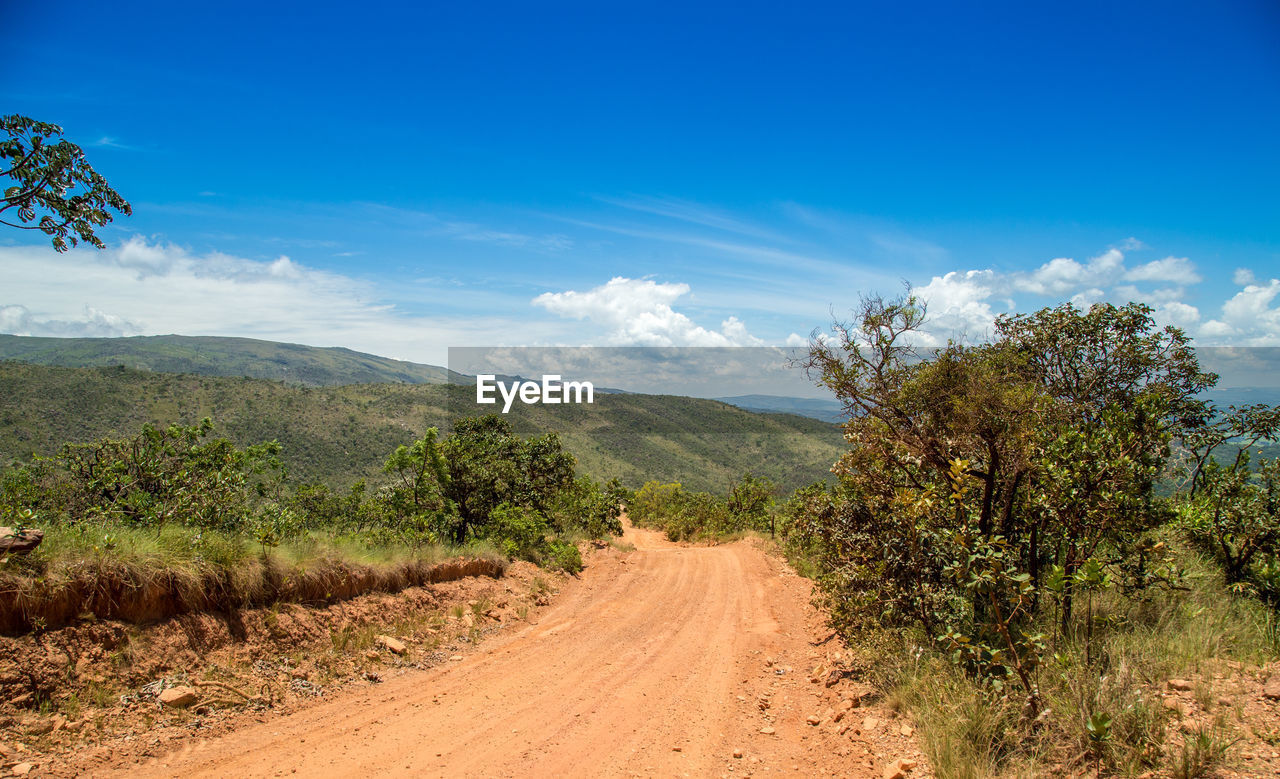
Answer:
x=146 y=259
x=638 y=312
x=17 y=320
x=1248 y=318
x=964 y=302
x=1132 y=244
x=151 y=288
x=957 y=304
x=1170 y=270
x=1242 y=276
x=1153 y=297
x=1064 y=276
x=1088 y=297
x=1178 y=314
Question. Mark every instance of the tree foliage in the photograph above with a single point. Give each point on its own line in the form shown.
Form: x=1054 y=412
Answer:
x=975 y=472
x=54 y=189
x=482 y=484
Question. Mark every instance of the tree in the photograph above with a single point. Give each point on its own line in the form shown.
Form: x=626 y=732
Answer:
x=488 y=465
x=54 y=185
x=976 y=470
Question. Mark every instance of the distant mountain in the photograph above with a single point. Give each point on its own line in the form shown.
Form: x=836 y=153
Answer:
x=312 y=366
x=825 y=409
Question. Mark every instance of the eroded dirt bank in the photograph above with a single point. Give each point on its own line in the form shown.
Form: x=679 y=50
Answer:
x=665 y=660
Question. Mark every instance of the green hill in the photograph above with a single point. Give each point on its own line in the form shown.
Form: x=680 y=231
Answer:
x=336 y=434
x=215 y=356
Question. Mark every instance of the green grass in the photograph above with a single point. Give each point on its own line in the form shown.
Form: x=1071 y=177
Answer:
x=968 y=731
x=176 y=568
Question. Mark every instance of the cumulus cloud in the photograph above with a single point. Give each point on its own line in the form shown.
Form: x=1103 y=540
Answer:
x=638 y=312
x=1170 y=270
x=958 y=304
x=967 y=302
x=1064 y=276
x=1249 y=318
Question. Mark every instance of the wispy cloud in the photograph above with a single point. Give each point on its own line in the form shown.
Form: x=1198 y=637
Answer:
x=694 y=213
x=114 y=143
x=144 y=287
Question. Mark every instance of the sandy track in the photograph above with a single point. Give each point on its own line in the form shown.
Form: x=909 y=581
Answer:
x=650 y=651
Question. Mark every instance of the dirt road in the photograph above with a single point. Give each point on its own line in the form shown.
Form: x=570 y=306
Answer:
x=653 y=663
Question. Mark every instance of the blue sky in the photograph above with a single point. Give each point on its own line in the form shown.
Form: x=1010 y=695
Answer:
x=400 y=178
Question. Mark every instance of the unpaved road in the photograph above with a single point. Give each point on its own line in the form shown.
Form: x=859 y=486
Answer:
x=650 y=652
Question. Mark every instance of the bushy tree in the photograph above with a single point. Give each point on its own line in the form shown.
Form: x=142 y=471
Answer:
x=974 y=470
x=487 y=465
x=176 y=474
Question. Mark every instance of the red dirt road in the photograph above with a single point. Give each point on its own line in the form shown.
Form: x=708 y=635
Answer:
x=650 y=652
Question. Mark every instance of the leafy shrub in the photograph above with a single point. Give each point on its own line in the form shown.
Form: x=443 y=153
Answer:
x=686 y=516
x=564 y=556
x=518 y=531
x=1235 y=516
x=175 y=475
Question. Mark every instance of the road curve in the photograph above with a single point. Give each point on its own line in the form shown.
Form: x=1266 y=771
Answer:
x=650 y=664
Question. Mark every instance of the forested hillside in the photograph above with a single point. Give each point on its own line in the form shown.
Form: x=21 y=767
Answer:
x=337 y=434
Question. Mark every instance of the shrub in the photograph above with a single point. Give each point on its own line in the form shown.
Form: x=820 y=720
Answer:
x=564 y=556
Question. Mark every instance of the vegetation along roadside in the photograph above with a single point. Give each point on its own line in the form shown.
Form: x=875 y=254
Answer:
x=1048 y=548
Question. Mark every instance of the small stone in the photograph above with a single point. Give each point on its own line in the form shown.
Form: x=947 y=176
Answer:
x=14 y=542
x=1180 y=684
x=1188 y=726
x=371 y=655
x=869 y=724
x=768 y=662
x=298 y=673
x=1173 y=704
x=737 y=754
x=1272 y=690
x=907 y=730
x=39 y=726
x=813 y=719
x=393 y=645
x=677 y=749
x=898 y=768
x=179 y=697
x=22 y=769
x=768 y=731
x=456 y=659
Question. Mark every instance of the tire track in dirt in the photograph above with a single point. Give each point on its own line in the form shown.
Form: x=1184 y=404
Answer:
x=648 y=652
